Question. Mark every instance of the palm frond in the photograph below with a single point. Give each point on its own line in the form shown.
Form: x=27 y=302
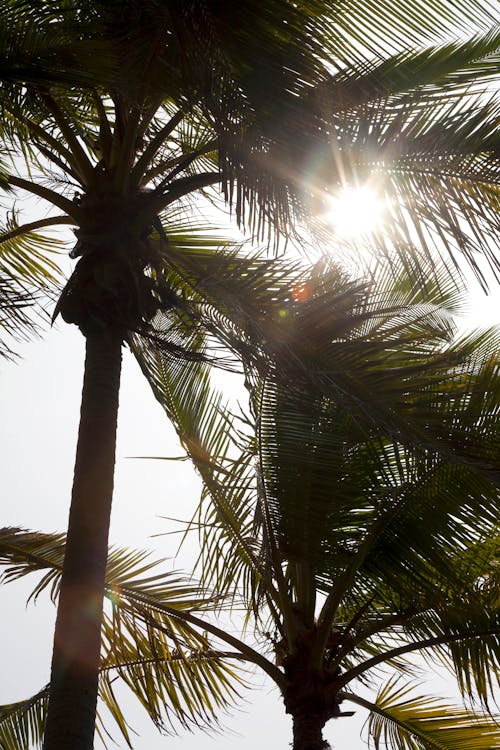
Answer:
x=28 y=278
x=334 y=367
x=374 y=30
x=180 y=681
x=418 y=128
x=38 y=46
x=19 y=310
x=402 y=721
x=175 y=688
x=203 y=425
x=22 y=723
x=26 y=259
x=170 y=665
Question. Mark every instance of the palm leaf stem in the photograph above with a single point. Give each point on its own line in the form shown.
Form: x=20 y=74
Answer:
x=65 y=168
x=11 y=709
x=39 y=561
x=105 y=132
x=244 y=649
x=476 y=179
x=210 y=654
x=126 y=151
x=213 y=488
x=82 y=162
x=347 y=696
x=20 y=710
x=378 y=627
x=441 y=640
x=430 y=742
x=285 y=602
x=181 y=187
x=275 y=614
x=181 y=162
x=148 y=112
x=357 y=616
x=54 y=144
x=334 y=598
x=21 y=723
x=47 y=194
x=329 y=610
x=117 y=127
x=152 y=148
x=349 y=627
x=33 y=225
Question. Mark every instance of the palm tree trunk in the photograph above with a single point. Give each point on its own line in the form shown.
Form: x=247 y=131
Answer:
x=308 y=732
x=77 y=639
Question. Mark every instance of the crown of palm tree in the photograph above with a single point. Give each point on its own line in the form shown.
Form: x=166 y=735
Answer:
x=124 y=142
x=356 y=539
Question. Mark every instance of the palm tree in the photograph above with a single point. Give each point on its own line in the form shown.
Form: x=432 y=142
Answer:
x=357 y=504
x=114 y=153
x=352 y=549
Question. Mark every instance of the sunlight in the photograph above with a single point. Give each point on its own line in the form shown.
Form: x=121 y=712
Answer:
x=354 y=212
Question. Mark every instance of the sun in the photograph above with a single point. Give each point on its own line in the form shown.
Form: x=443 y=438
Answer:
x=353 y=212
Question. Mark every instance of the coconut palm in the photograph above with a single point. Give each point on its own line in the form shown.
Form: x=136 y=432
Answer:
x=356 y=544
x=241 y=103
x=353 y=549
x=125 y=152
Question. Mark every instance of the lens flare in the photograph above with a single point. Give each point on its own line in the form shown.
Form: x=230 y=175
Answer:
x=301 y=292
x=354 y=212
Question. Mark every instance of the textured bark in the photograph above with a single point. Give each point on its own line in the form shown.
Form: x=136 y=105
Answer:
x=308 y=732
x=77 y=639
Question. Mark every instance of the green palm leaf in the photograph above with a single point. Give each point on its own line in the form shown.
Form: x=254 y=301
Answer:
x=402 y=721
x=22 y=723
x=333 y=463
x=36 y=47
x=204 y=428
x=28 y=278
x=170 y=666
x=388 y=25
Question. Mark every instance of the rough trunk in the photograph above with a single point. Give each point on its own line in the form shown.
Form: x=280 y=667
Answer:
x=308 y=732
x=77 y=639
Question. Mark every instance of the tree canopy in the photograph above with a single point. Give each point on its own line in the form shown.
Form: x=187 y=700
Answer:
x=353 y=549
x=118 y=113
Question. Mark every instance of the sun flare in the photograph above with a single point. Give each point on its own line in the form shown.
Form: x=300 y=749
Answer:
x=354 y=211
